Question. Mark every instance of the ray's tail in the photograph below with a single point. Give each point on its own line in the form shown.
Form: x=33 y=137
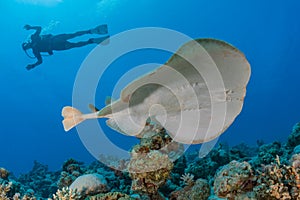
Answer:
x=72 y=117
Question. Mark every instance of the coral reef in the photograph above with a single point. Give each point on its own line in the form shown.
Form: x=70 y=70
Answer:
x=117 y=180
x=149 y=171
x=157 y=170
x=202 y=168
x=242 y=152
x=39 y=181
x=71 y=169
x=4 y=173
x=17 y=196
x=233 y=179
x=150 y=164
x=188 y=179
x=198 y=190
x=277 y=181
x=296 y=150
x=4 y=189
x=179 y=167
x=111 y=196
x=89 y=184
x=268 y=152
x=66 y=194
x=206 y=167
x=295 y=161
x=294 y=137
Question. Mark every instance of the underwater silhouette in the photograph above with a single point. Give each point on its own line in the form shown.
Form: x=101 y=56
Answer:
x=48 y=43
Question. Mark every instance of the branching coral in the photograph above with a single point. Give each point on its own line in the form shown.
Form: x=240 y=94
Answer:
x=278 y=181
x=66 y=194
x=17 y=196
x=188 y=179
x=4 y=189
x=111 y=196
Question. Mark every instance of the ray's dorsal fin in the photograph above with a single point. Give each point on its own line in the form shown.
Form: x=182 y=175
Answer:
x=108 y=100
x=93 y=108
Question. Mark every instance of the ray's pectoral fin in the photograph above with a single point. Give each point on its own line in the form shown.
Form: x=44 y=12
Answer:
x=72 y=117
x=126 y=125
x=113 y=125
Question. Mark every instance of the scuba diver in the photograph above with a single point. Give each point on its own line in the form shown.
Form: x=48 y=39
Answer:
x=48 y=43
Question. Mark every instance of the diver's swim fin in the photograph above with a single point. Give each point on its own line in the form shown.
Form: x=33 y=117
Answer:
x=101 y=29
x=102 y=40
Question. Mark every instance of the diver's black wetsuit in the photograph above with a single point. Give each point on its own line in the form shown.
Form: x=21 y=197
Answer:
x=47 y=43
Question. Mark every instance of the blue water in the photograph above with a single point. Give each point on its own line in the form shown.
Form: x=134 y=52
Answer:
x=31 y=101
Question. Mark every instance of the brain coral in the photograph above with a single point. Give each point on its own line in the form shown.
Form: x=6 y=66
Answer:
x=233 y=179
x=90 y=184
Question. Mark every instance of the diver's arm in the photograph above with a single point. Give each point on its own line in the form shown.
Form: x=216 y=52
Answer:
x=37 y=29
x=38 y=62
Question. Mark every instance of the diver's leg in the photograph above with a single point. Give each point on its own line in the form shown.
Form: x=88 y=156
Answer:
x=71 y=45
x=68 y=36
x=65 y=45
x=101 y=29
x=103 y=40
x=59 y=45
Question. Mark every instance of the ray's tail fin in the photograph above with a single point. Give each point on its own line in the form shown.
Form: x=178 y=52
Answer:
x=72 y=117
